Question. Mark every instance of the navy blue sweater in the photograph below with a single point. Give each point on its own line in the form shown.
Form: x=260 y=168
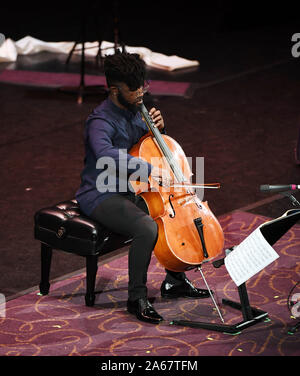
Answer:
x=109 y=133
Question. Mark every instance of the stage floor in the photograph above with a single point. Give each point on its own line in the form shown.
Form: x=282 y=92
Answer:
x=242 y=117
x=59 y=324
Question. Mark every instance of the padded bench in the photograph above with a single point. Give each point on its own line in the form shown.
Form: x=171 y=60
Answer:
x=63 y=227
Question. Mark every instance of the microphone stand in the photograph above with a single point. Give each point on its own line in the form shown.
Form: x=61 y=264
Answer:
x=288 y=194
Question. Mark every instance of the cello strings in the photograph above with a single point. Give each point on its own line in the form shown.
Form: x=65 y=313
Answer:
x=169 y=157
x=173 y=164
x=163 y=146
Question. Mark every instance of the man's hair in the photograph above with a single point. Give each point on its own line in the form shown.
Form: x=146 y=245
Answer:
x=125 y=67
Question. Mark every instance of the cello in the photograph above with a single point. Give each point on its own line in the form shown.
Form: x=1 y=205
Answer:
x=188 y=231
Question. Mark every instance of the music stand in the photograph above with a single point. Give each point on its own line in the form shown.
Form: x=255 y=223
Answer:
x=272 y=232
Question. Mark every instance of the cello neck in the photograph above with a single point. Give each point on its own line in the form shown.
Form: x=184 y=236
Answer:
x=150 y=124
x=162 y=144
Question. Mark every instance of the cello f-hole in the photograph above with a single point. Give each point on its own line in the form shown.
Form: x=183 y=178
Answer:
x=171 y=215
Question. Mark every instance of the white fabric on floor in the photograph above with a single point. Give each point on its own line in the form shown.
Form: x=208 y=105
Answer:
x=10 y=50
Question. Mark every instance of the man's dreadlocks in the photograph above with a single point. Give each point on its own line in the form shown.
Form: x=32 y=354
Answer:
x=125 y=67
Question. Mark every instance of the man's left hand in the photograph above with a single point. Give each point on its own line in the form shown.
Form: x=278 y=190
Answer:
x=157 y=118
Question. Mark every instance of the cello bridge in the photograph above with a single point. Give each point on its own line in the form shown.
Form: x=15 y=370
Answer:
x=187 y=200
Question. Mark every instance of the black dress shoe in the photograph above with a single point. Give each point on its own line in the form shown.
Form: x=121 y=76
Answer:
x=143 y=310
x=185 y=289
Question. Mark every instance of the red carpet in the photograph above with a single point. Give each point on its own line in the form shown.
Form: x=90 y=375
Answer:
x=56 y=80
x=60 y=323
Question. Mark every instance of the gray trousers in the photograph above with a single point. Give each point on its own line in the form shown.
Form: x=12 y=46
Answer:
x=127 y=214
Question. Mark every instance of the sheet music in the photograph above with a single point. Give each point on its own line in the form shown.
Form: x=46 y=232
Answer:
x=249 y=257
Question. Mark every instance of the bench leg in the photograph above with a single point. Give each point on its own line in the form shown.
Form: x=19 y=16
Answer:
x=46 y=256
x=91 y=272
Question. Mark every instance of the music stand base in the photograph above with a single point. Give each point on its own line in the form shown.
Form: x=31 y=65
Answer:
x=251 y=316
x=294 y=329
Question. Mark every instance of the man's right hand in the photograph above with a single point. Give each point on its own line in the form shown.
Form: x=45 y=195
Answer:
x=161 y=176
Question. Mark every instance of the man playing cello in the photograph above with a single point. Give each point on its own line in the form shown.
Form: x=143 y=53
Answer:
x=113 y=126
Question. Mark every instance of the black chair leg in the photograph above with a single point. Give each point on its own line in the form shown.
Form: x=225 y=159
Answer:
x=91 y=272
x=46 y=256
